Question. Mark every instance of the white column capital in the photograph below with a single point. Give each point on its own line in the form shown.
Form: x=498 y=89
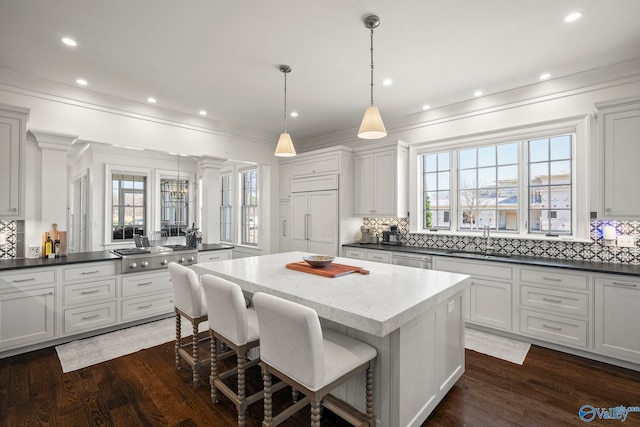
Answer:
x=53 y=140
x=207 y=162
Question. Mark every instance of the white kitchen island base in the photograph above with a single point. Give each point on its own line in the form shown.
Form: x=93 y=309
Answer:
x=413 y=317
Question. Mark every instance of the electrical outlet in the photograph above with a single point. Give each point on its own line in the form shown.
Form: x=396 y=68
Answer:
x=3 y=239
x=626 y=241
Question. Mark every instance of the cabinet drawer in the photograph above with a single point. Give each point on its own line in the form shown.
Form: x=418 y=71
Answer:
x=89 y=318
x=355 y=253
x=81 y=293
x=138 y=308
x=32 y=277
x=88 y=271
x=214 y=256
x=554 y=328
x=379 y=256
x=554 y=278
x=475 y=268
x=558 y=301
x=138 y=284
x=316 y=165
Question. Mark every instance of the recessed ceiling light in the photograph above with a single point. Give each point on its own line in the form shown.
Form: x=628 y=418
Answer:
x=69 y=41
x=151 y=100
x=294 y=114
x=477 y=93
x=387 y=82
x=426 y=106
x=203 y=113
x=544 y=76
x=81 y=82
x=574 y=16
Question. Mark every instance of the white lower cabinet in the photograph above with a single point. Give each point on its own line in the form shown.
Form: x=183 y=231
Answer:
x=210 y=256
x=146 y=295
x=27 y=316
x=490 y=294
x=87 y=318
x=617 y=317
x=555 y=306
x=367 y=254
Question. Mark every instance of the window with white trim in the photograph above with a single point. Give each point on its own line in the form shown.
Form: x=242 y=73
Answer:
x=226 y=207
x=249 y=207
x=128 y=206
x=471 y=186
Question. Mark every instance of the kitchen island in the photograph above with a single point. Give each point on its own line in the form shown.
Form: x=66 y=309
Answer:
x=413 y=317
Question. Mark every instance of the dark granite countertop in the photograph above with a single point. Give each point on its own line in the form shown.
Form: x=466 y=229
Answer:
x=589 y=266
x=82 y=257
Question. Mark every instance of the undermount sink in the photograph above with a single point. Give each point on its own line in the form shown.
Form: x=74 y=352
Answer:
x=481 y=255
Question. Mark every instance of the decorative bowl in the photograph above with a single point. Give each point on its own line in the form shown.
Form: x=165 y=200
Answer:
x=318 y=261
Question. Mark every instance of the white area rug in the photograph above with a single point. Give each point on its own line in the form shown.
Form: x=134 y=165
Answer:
x=503 y=348
x=90 y=351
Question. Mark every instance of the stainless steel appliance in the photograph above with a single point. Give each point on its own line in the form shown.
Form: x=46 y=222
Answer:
x=412 y=260
x=135 y=260
x=391 y=235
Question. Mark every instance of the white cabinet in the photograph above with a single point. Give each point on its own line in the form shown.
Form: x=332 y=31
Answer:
x=27 y=316
x=491 y=292
x=367 y=254
x=380 y=181
x=316 y=164
x=617 y=317
x=146 y=295
x=13 y=136
x=217 y=255
x=285 y=226
x=618 y=130
x=555 y=306
x=314 y=222
x=285 y=181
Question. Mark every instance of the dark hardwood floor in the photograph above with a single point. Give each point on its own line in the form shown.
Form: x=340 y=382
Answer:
x=144 y=389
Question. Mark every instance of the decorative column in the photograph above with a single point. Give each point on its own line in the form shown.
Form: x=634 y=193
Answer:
x=210 y=173
x=54 y=183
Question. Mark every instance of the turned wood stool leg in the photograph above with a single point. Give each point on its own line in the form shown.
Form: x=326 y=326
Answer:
x=241 y=389
x=194 y=353
x=178 y=339
x=268 y=408
x=214 y=368
x=315 y=414
x=295 y=394
x=369 y=399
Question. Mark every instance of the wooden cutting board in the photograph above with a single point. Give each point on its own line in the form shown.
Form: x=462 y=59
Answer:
x=332 y=270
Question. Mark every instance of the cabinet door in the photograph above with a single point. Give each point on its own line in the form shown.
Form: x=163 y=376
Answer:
x=322 y=223
x=617 y=318
x=210 y=256
x=10 y=167
x=299 y=219
x=26 y=317
x=285 y=181
x=363 y=185
x=490 y=303
x=285 y=226
x=621 y=154
x=384 y=183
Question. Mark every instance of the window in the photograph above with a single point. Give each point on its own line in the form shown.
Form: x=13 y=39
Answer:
x=128 y=205
x=174 y=206
x=550 y=178
x=226 y=208
x=473 y=186
x=249 y=207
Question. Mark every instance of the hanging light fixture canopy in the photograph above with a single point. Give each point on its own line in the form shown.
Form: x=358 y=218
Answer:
x=372 y=126
x=285 y=146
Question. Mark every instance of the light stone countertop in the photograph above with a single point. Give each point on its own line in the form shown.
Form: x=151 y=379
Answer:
x=377 y=303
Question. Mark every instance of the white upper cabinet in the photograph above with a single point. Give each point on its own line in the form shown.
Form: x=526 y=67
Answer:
x=380 y=181
x=13 y=135
x=619 y=147
x=285 y=181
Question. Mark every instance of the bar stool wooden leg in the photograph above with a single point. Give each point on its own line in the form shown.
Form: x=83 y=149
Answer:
x=214 y=368
x=178 y=339
x=295 y=394
x=369 y=398
x=315 y=414
x=194 y=354
x=268 y=404
x=241 y=389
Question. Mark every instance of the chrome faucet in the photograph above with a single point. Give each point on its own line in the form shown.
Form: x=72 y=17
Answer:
x=486 y=233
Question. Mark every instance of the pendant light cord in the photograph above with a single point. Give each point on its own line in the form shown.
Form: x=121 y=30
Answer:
x=372 y=67
x=285 y=102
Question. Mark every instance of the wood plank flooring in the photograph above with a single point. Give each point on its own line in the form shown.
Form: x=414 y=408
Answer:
x=145 y=389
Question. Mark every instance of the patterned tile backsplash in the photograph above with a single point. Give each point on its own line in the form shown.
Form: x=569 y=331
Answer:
x=579 y=251
x=14 y=235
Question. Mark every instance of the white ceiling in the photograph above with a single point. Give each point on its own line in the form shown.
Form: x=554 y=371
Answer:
x=223 y=56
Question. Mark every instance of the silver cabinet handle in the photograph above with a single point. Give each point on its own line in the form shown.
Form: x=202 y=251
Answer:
x=556 y=301
x=90 y=317
x=626 y=285
x=90 y=272
x=553 y=328
x=144 y=306
x=284 y=228
x=89 y=292
x=24 y=280
x=306 y=226
x=551 y=279
x=144 y=283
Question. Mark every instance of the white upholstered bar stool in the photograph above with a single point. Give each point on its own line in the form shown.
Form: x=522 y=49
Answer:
x=189 y=302
x=314 y=361
x=231 y=322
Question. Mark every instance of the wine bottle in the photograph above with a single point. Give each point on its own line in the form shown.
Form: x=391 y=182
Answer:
x=56 y=246
x=48 y=246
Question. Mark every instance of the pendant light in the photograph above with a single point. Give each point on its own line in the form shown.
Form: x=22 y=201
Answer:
x=372 y=126
x=285 y=146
